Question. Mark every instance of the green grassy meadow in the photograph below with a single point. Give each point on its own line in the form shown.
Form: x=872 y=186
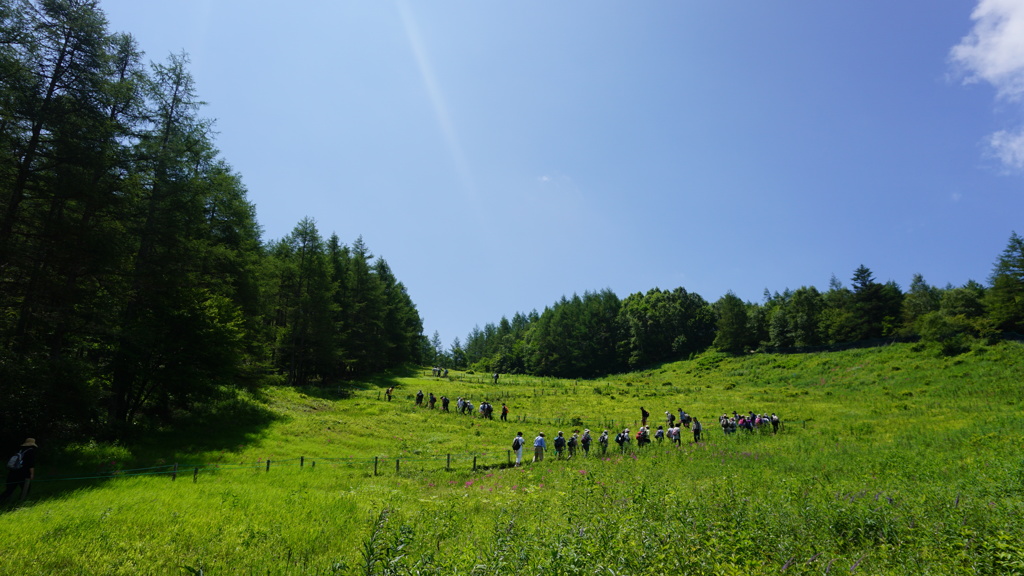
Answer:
x=891 y=460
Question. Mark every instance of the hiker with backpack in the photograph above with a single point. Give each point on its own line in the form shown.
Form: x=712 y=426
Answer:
x=643 y=437
x=622 y=439
x=21 y=470
x=585 y=442
x=559 y=445
x=603 y=441
x=517 y=446
x=573 y=443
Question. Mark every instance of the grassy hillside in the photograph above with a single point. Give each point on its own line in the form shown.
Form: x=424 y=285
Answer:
x=891 y=460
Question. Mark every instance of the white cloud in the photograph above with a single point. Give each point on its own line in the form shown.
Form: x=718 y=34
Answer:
x=1008 y=147
x=994 y=50
x=994 y=53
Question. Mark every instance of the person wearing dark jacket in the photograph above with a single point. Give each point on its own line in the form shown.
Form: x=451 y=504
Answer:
x=21 y=469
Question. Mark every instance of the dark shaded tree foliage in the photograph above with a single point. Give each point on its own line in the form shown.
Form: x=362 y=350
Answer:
x=575 y=337
x=336 y=313
x=135 y=284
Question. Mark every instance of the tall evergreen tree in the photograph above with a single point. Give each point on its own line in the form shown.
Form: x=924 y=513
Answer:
x=306 y=343
x=457 y=355
x=401 y=322
x=437 y=347
x=135 y=283
x=181 y=329
x=365 y=340
x=54 y=60
x=1005 y=297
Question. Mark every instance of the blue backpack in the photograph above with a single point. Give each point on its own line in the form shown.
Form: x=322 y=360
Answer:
x=16 y=462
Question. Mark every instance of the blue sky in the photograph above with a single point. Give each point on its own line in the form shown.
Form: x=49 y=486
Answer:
x=500 y=155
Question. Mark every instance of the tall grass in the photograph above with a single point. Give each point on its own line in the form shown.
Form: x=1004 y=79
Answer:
x=892 y=460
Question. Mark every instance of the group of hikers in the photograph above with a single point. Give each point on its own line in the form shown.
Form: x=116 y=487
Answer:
x=748 y=422
x=567 y=448
x=729 y=424
x=462 y=405
x=672 y=430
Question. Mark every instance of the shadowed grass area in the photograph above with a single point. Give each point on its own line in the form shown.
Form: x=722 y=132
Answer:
x=891 y=460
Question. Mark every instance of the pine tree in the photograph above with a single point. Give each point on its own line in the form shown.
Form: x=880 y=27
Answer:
x=305 y=343
x=180 y=329
x=1005 y=297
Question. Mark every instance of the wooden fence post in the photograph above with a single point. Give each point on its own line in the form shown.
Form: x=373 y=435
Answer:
x=195 y=475
x=396 y=465
x=474 y=463
x=268 y=464
x=448 y=466
x=302 y=461
x=375 y=465
x=174 y=473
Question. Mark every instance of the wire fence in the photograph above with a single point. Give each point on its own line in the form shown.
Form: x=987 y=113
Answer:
x=375 y=465
x=378 y=465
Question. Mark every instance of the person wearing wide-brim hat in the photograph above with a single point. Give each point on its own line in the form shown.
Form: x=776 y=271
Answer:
x=21 y=469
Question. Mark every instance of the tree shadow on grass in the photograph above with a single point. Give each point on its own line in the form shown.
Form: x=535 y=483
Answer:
x=225 y=424
x=344 y=389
